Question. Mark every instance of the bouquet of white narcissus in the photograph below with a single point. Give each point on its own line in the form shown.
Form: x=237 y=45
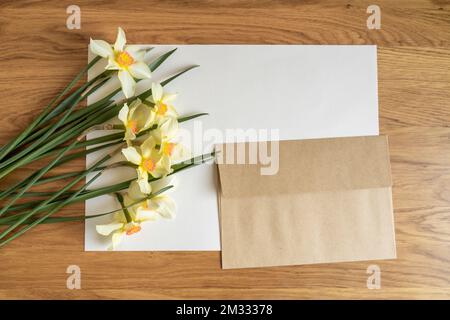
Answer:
x=147 y=138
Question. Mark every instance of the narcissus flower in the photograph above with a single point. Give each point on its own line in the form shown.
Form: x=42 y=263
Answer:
x=158 y=206
x=174 y=152
x=170 y=147
x=162 y=101
x=127 y=60
x=138 y=212
x=167 y=129
x=149 y=161
x=136 y=118
x=120 y=227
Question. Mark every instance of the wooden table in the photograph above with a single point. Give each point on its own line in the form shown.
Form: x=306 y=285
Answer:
x=39 y=55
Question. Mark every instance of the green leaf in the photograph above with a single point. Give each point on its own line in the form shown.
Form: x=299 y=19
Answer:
x=107 y=100
x=54 y=197
x=9 y=220
x=40 y=219
x=155 y=64
x=40 y=174
x=194 y=161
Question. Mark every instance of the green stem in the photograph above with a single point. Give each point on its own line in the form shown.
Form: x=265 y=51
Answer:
x=194 y=161
x=74 y=119
x=105 y=116
x=80 y=114
x=124 y=208
x=9 y=220
x=55 y=196
x=58 y=140
x=31 y=204
x=41 y=219
x=65 y=159
x=40 y=174
x=107 y=138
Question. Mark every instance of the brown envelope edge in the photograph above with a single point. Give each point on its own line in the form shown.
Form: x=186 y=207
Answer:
x=302 y=231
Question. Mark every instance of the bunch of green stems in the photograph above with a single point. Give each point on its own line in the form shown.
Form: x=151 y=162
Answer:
x=57 y=135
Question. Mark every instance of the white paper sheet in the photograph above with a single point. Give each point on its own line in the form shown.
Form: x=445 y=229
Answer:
x=304 y=91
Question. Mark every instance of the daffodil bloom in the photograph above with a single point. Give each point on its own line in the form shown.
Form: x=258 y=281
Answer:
x=120 y=227
x=162 y=101
x=167 y=129
x=139 y=212
x=174 y=152
x=170 y=147
x=126 y=59
x=160 y=205
x=136 y=118
x=149 y=161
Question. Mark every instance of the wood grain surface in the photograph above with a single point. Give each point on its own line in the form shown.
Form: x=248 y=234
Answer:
x=39 y=55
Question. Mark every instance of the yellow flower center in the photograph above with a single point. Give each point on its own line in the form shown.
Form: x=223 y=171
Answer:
x=124 y=59
x=168 y=148
x=133 y=126
x=162 y=109
x=133 y=229
x=149 y=165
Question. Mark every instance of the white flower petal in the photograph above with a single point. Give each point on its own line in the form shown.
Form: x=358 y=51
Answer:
x=120 y=40
x=143 y=116
x=132 y=155
x=142 y=173
x=157 y=92
x=147 y=146
x=106 y=229
x=150 y=120
x=134 y=191
x=163 y=167
x=171 y=112
x=169 y=128
x=135 y=52
x=136 y=102
x=164 y=182
x=112 y=64
x=129 y=135
x=143 y=214
x=101 y=48
x=123 y=114
x=127 y=82
x=156 y=134
x=180 y=153
x=169 y=97
x=140 y=70
x=166 y=206
x=117 y=238
x=144 y=186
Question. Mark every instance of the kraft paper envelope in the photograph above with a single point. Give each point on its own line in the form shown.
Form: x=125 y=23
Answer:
x=331 y=201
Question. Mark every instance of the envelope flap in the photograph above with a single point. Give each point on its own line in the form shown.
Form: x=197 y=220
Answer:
x=309 y=166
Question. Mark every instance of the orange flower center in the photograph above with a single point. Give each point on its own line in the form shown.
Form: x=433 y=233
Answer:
x=133 y=229
x=148 y=165
x=168 y=148
x=124 y=59
x=162 y=109
x=133 y=126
